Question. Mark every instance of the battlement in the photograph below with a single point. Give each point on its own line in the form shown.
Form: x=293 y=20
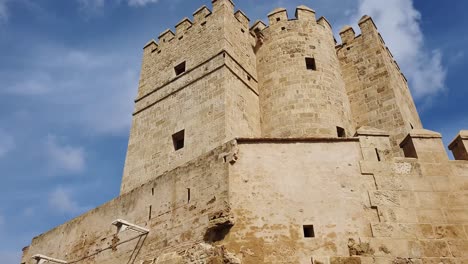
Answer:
x=199 y=18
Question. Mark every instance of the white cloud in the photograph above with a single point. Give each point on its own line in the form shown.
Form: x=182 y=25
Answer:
x=93 y=5
x=3 y=11
x=399 y=24
x=7 y=143
x=64 y=158
x=98 y=87
x=61 y=201
x=141 y=2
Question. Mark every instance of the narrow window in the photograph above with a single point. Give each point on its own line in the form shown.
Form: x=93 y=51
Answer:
x=308 y=231
x=188 y=195
x=203 y=23
x=149 y=214
x=178 y=140
x=310 y=64
x=340 y=132
x=411 y=125
x=242 y=30
x=181 y=37
x=152 y=191
x=179 y=69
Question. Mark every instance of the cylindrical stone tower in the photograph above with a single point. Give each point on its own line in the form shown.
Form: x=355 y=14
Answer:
x=302 y=92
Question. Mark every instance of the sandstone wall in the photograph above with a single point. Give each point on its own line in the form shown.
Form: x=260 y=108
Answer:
x=181 y=208
x=296 y=101
x=213 y=101
x=377 y=90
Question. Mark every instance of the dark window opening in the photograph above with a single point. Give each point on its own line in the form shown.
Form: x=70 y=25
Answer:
x=278 y=19
x=310 y=64
x=159 y=51
x=283 y=28
x=377 y=153
x=308 y=231
x=411 y=125
x=181 y=37
x=249 y=78
x=152 y=191
x=242 y=30
x=179 y=69
x=149 y=214
x=340 y=132
x=188 y=195
x=178 y=140
x=203 y=23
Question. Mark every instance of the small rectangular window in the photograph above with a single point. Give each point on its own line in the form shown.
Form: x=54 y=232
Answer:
x=340 y=132
x=310 y=64
x=178 y=140
x=179 y=69
x=308 y=231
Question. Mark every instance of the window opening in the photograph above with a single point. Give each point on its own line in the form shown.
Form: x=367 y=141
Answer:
x=310 y=64
x=179 y=69
x=178 y=140
x=308 y=231
x=340 y=132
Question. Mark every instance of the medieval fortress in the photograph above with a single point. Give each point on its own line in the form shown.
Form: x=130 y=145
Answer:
x=273 y=143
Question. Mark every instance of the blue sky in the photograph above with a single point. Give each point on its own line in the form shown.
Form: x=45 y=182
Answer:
x=69 y=74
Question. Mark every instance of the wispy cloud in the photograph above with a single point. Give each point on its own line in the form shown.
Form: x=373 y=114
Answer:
x=399 y=23
x=7 y=143
x=97 y=88
x=93 y=5
x=3 y=11
x=61 y=200
x=64 y=158
x=141 y=2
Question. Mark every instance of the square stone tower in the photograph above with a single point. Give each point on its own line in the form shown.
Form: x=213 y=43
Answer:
x=274 y=144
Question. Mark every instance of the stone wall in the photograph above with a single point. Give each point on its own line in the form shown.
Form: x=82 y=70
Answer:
x=296 y=101
x=377 y=90
x=181 y=208
x=213 y=101
x=251 y=198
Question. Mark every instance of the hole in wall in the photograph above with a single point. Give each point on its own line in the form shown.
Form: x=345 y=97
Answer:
x=377 y=153
x=179 y=69
x=188 y=195
x=308 y=231
x=340 y=132
x=278 y=19
x=249 y=78
x=310 y=64
x=181 y=37
x=203 y=23
x=178 y=139
x=283 y=28
x=242 y=30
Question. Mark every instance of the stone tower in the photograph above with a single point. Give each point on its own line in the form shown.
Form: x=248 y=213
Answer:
x=274 y=144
